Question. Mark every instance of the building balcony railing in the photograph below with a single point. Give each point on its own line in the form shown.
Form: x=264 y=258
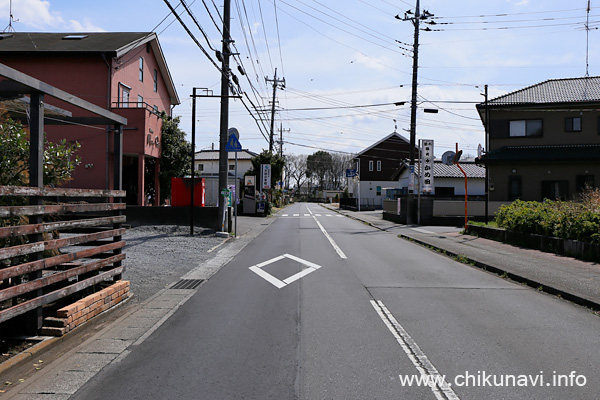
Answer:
x=137 y=104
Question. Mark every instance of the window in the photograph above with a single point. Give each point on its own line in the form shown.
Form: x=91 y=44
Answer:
x=522 y=128
x=140 y=102
x=444 y=191
x=370 y=165
x=573 y=124
x=232 y=167
x=515 y=188
x=378 y=165
x=124 y=100
x=155 y=80
x=200 y=167
x=378 y=187
x=141 y=69
x=555 y=190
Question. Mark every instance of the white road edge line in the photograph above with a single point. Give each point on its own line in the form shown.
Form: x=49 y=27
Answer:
x=335 y=246
x=442 y=391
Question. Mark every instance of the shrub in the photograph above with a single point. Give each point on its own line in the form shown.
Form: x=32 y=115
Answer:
x=567 y=220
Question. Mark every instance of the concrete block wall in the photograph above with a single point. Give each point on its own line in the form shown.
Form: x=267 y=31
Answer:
x=73 y=315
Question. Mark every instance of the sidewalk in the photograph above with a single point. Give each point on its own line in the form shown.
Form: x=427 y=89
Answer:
x=573 y=280
x=62 y=375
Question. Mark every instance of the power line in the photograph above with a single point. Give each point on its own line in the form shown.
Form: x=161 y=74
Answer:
x=192 y=36
x=182 y=2
x=278 y=37
x=265 y=33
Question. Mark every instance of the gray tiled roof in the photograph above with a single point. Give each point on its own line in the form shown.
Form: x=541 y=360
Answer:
x=441 y=170
x=472 y=170
x=571 y=90
x=93 y=42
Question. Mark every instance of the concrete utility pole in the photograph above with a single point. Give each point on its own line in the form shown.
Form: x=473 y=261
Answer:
x=415 y=19
x=487 y=144
x=276 y=83
x=281 y=130
x=226 y=52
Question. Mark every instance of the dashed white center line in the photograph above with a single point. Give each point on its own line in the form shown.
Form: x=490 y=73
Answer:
x=333 y=243
x=296 y=215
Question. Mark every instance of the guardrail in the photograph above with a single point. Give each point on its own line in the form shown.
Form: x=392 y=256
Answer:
x=85 y=248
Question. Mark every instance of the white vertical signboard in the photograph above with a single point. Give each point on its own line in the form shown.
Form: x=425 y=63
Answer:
x=427 y=165
x=266 y=176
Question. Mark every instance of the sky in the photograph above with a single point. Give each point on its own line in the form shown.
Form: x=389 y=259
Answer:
x=345 y=62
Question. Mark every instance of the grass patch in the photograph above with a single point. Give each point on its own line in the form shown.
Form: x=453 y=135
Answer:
x=490 y=224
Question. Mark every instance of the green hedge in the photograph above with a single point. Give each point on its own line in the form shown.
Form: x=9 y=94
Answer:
x=567 y=220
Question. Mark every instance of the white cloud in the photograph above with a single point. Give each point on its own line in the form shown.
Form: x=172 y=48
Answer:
x=32 y=13
x=38 y=14
x=376 y=63
x=85 y=26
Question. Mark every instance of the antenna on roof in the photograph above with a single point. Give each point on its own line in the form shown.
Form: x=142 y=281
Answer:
x=11 y=19
x=587 y=40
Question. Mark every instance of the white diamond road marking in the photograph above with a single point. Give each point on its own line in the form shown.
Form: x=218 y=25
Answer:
x=278 y=283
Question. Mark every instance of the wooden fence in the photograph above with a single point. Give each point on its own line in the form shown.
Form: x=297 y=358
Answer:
x=53 y=250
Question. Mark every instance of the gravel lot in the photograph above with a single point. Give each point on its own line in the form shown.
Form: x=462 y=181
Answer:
x=159 y=255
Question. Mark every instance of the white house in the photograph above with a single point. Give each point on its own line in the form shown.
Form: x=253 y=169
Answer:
x=376 y=166
x=448 y=180
x=206 y=162
x=206 y=165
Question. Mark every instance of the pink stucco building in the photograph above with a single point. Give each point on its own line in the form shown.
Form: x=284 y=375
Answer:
x=125 y=73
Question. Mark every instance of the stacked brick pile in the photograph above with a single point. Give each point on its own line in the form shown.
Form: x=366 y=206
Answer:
x=71 y=316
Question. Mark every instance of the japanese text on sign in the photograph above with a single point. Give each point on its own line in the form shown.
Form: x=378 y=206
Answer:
x=427 y=165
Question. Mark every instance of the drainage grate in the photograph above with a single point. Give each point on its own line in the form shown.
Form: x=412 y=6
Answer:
x=187 y=284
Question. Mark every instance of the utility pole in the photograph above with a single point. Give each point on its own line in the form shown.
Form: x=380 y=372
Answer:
x=277 y=83
x=281 y=130
x=415 y=19
x=193 y=166
x=487 y=143
x=224 y=123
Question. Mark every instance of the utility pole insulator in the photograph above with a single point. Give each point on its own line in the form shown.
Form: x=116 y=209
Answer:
x=277 y=83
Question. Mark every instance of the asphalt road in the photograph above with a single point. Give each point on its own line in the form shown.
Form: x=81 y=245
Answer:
x=320 y=306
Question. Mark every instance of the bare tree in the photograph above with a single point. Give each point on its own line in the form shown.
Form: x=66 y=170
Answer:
x=340 y=162
x=295 y=168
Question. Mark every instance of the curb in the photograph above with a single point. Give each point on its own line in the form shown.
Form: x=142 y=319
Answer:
x=29 y=353
x=498 y=271
x=50 y=341
x=514 y=277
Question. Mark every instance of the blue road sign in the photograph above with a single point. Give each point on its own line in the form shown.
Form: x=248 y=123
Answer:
x=351 y=173
x=233 y=144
